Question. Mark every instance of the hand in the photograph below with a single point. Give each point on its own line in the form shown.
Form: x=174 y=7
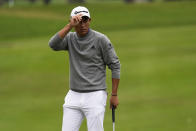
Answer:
x=114 y=101
x=75 y=20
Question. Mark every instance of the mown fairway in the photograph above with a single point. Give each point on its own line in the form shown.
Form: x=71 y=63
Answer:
x=156 y=44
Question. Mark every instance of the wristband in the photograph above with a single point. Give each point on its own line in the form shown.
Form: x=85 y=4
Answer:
x=114 y=94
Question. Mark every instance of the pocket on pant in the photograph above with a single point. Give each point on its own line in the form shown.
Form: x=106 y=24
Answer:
x=104 y=98
x=67 y=98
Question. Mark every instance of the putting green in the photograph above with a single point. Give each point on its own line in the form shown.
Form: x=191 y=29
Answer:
x=156 y=47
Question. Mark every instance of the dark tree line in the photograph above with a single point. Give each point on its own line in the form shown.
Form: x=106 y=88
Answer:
x=70 y=1
x=46 y=2
x=76 y=1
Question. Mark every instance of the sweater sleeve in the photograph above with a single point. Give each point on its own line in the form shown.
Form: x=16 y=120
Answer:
x=57 y=43
x=110 y=58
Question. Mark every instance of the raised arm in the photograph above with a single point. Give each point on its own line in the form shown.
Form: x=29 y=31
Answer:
x=63 y=32
x=59 y=40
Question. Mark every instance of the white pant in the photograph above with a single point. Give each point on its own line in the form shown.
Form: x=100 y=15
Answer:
x=79 y=105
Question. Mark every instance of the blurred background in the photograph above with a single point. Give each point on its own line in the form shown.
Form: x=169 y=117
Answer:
x=154 y=39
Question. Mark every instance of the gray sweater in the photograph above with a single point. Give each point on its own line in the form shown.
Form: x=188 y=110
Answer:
x=88 y=58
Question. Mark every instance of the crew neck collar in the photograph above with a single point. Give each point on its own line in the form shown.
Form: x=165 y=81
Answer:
x=87 y=35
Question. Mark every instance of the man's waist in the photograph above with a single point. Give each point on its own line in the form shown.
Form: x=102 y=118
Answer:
x=86 y=91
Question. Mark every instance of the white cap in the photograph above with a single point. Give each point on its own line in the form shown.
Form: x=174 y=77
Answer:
x=80 y=10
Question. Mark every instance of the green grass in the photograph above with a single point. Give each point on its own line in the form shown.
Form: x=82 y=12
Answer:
x=156 y=47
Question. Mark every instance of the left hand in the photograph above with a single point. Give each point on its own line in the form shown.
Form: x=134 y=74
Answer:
x=114 y=101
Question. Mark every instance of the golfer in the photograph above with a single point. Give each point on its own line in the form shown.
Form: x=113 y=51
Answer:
x=89 y=54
